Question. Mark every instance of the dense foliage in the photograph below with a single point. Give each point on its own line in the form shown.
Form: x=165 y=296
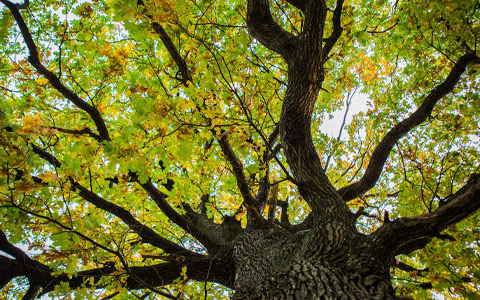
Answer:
x=122 y=121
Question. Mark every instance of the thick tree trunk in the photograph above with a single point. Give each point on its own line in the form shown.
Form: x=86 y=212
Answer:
x=278 y=264
x=330 y=260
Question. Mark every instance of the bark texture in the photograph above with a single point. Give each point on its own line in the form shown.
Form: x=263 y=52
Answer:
x=281 y=265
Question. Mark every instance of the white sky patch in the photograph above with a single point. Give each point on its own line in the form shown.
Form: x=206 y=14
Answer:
x=331 y=126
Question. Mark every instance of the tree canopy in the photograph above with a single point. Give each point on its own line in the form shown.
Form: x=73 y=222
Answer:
x=141 y=139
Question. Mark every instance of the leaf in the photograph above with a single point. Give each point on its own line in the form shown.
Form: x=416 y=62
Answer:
x=26 y=187
x=49 y=177
x=32 y=124
x=185 y=150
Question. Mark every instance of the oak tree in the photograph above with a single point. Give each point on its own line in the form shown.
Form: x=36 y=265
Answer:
x=175 y=149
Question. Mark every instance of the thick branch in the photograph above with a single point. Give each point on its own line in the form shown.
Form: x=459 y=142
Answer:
x=182 y=66
x=237 y=168
x=296 y=137
x=337 y=30
x=22 y=265
x=300 y=4
x=160 y=199
x=8 y=270
x=405 y=235
x=214 y=269
x=263 y=28
x=141 y=277
x=32 y=292
x=381 y=152
x=208 y=269
x=305 y=78
x=312 y=37
x=146 y=233
x=34 y=60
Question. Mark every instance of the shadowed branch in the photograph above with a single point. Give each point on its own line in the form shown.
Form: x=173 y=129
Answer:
x=185 y=223
x=263 y=28
x=146 y=233
x=300 y=4
x=337 y=30
x=237 y=168
x=382 y=151
x=182 y=66
x=405 y=235
x=167 y=42
x=138 y=277
x=34 y=60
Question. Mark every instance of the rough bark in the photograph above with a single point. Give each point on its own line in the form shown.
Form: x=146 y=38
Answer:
x=281 y=265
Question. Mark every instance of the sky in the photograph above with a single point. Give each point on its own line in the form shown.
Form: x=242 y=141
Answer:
x=331 y=126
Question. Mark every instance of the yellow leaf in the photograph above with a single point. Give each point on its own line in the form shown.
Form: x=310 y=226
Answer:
x=32 y=124
x=25 y=187
x=49 y=177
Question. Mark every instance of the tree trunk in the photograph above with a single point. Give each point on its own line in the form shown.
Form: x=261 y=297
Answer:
x=282 y=264
x=330 y=260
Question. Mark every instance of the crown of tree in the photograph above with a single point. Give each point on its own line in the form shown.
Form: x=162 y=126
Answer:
x=178 y=149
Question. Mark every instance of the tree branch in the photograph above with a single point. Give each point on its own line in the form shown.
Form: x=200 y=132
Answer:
x=32 y=292
x=405 y=235
x=312 y=34
x=85 y=130
x=146 y=233
x=337 y=30
x=382 y=151
x=46 y=156
x=424 y=285
x=305 y=78
x=34 y=60
x=261 y=196
x=263 y=28
x=37 y=273
x=214 y=269
x=9 y=269
x=40 y=276
x=182 y=66
x=237 y=168
x=300 y=4
x=167 y=41
x=207 y=269
x=160 y=199
x=23 y=5
x=404 y=267
x=138 y=277
x=203 y=232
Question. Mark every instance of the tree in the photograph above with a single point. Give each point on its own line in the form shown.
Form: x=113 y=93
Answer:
x=174 y=149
